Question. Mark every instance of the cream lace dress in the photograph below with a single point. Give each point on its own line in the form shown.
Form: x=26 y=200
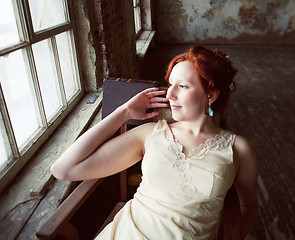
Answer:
x=181 y=195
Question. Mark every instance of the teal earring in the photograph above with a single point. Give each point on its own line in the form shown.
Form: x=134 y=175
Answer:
x=210 y=111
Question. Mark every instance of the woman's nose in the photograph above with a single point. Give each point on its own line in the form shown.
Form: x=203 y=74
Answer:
x=170 y=93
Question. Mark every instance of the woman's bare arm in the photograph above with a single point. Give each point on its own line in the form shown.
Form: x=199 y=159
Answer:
x=246 y=181
x=95 y=154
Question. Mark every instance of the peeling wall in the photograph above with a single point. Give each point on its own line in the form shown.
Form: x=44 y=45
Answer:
x=86 y=51
x=236 y=21
x=106 y=40
x=119 y=37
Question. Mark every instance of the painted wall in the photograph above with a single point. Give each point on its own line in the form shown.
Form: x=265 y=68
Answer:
x=219 y=21
x=106 y=40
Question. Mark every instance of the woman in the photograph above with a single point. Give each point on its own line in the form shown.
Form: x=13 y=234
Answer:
x=188 y=165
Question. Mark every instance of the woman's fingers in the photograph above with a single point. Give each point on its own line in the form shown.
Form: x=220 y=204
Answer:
x=159 y=105
x=152 y=92
x=158 y=99
x=149 y=98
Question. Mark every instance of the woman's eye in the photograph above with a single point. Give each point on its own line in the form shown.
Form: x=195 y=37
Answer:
x=182 y=86
x=169 y=85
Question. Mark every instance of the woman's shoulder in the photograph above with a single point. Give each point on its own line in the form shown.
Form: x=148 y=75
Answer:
x=152 y=127
x=243 y=145
x=146 y=127
x=247 y=171
x=149 y=127
x=244 y=153
x=144 y=130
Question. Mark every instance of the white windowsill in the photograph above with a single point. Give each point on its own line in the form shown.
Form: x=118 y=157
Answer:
x=143 y=42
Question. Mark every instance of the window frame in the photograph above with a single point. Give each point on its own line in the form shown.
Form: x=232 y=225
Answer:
x=137 y=6
x=28 y=37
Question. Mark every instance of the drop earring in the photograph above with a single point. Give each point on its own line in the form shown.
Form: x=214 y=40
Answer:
x=210 y=111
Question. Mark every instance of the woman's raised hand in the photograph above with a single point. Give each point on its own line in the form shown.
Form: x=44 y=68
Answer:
x=150 y=98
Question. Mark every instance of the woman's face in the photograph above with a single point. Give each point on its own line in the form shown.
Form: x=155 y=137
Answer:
x=185 y=94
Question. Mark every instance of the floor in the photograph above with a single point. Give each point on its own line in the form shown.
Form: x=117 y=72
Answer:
x=262 y=108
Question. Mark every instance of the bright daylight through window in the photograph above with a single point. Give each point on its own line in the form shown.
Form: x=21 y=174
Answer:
x=38 y=72
x=137 y=16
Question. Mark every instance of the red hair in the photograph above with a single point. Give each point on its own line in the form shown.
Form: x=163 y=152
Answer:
x=216 y=72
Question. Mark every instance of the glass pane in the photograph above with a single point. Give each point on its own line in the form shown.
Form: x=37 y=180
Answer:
x=8 y=26
x=137 y=19
x=67 y=63
x=47 y=13
x=47 y=76
x=5 y=150
x=18 y=95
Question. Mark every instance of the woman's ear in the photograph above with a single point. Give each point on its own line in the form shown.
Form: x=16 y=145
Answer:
x=213 y=95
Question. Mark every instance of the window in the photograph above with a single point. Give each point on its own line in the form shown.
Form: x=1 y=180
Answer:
x=137 y=16
x=39 y=77
x=143 y=26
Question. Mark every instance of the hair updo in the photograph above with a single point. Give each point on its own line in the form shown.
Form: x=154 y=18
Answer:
x=216 y=72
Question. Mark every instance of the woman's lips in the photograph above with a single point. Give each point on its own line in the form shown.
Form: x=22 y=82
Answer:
x=175 y=107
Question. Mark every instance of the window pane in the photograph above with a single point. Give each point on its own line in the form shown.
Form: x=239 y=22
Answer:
x=47 y=76
x=18 y=94
x=137 y=19
x=67 y=63
x=5 y=150
x=8 y=26
x=47 y=13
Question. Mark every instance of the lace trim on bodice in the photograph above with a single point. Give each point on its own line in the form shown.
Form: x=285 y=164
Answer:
x=182 y=164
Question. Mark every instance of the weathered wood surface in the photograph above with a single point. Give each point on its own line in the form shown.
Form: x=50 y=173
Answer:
x=24 y=206
x=69 y=207
x=262 y=109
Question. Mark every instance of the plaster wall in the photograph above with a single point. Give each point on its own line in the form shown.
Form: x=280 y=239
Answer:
x=105 y=39
x=226 y=21
x=119 y=37
x=89 y=69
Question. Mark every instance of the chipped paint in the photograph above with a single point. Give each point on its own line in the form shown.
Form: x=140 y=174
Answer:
x=290 y=8
x=249 y=4
x=217 y=13
x=281 y=22
x=196 y=7
x=189 y=20
x=293 y=23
